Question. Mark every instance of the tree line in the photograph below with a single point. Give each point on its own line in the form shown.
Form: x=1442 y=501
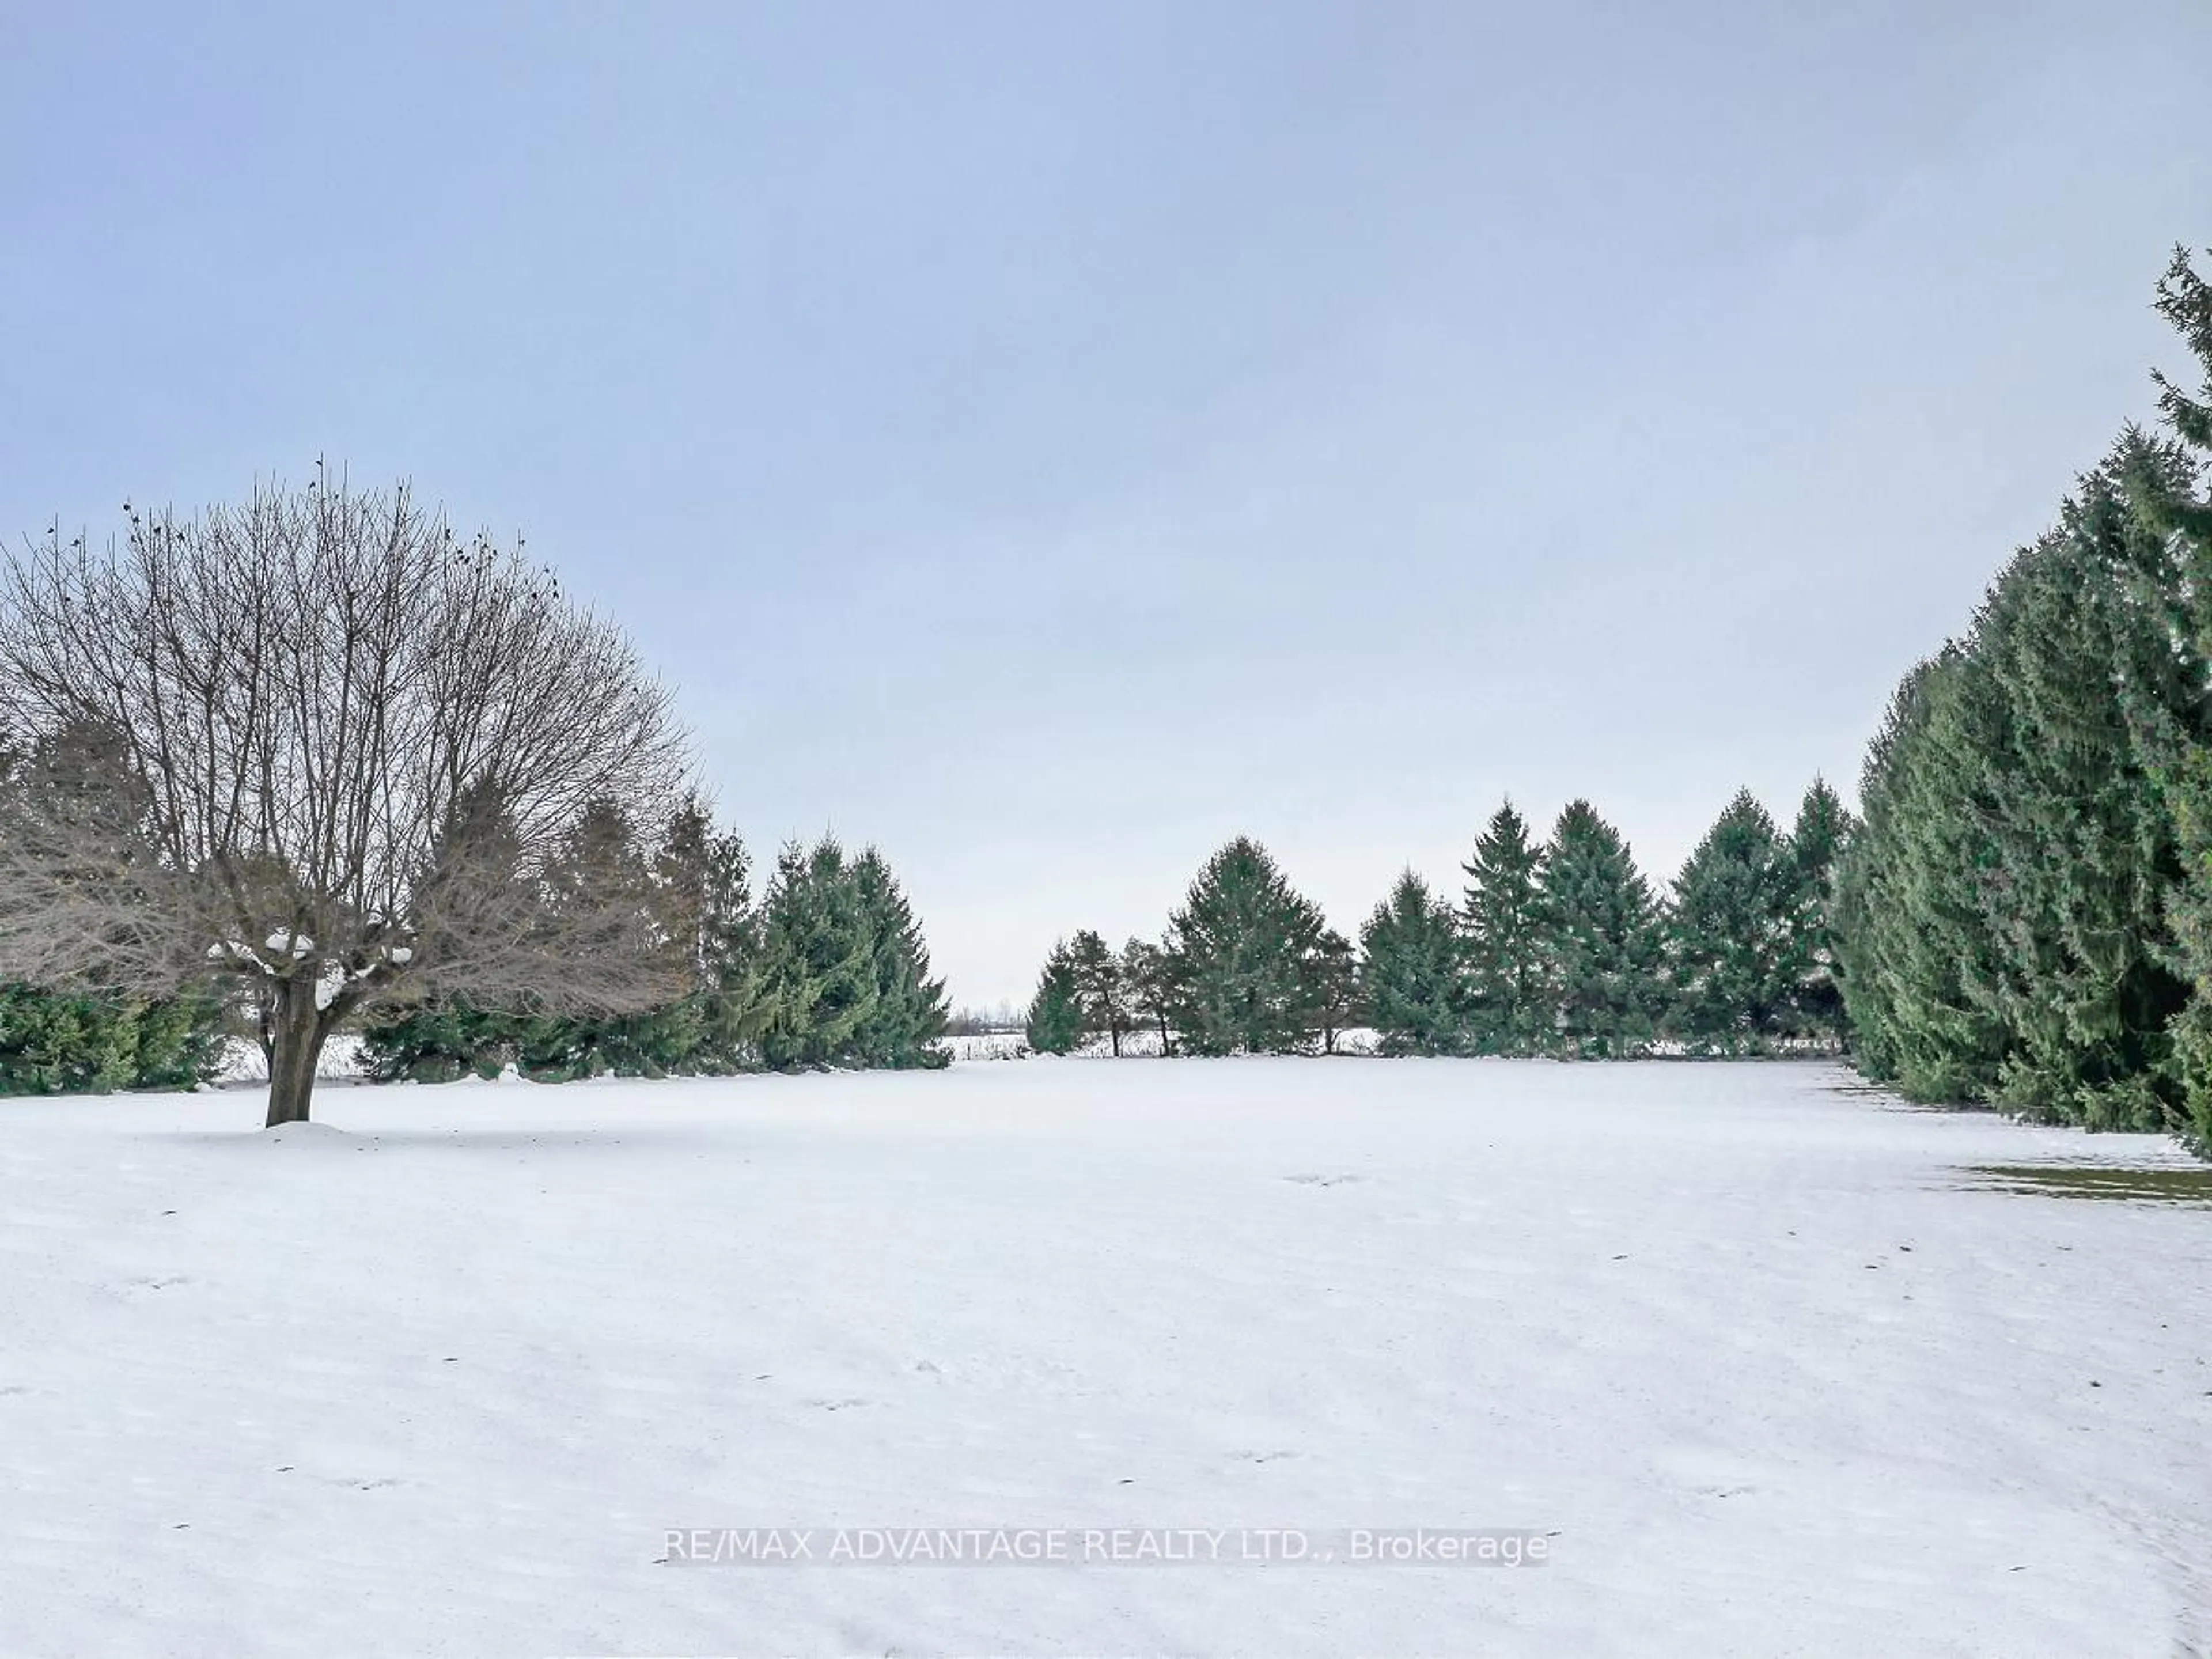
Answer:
x=314 y=762
x=2027 y=918
x=829 y=968
x=1557 y=947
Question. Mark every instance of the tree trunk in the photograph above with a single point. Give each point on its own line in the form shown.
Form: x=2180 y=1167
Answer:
x=297 y=1025
x=264 y=1032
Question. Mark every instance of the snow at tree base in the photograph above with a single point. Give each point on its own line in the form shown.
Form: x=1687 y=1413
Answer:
x=1764 y=1362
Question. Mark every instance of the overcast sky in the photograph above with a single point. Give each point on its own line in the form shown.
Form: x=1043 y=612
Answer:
x=1047 y=438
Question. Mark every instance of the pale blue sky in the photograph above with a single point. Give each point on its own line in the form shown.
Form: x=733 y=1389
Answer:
x=1047 y=439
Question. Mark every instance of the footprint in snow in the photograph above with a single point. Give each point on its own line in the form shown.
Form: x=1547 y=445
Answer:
x=835 y=1405
x=1262 y=1457
x=1321 y=1180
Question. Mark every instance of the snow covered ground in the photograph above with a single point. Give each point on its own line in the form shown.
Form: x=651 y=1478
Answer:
x=440 y=1373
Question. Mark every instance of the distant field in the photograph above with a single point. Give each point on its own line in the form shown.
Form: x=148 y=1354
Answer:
x=1770 y=1364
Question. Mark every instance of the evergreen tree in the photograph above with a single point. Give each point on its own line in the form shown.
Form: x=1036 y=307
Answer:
x=1510 y=1009
x=2023 y=917
x=1733 y=929
x=908 y=1013
x=1605 y=935
x=1099 y=974
x=63 y=1044
x=819 y=959
x=1330 y=975
x=735 y=1007
x=1909 y=891
x=2084 y=850
x=607 y=854
x=2012 y=888
x=2173 y=580
x=1409 y=972
x=1246 y=955
x=1823 y=830
x=1056 y=1017
x=178 y=1042
x=90 y=1039
x=440 y=1041
x=1148 y=970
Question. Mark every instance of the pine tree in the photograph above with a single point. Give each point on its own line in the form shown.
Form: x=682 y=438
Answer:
x=1817 y=842
x=1329 y=978
x=1148 y=970
x=608 y=853
x=908 y=1014
x=1913 y=929
x=1511 y=1009
x=1107 y=1011
x=1409 y=972
x=2025 y=916
x=1056 y=1017
x=735 y=1007
x=2084 y=850
x=63 y=1044
x=818 y=955
x=1246 y=955
x=2173 y=579
x=1605 y=938
x=440 y=1041
x=85 y=1039
x=1732 y=931
x=2013 y=884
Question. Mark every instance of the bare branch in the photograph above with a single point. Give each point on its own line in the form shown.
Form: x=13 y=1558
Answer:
x=320 y=742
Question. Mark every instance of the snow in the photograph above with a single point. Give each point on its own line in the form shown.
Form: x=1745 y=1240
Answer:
x=243 y=952
x=242 y=1063
x=1745 y=1344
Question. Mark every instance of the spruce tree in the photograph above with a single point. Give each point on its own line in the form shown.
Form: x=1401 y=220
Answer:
x=2022 y=917
x=2085 y=856
x=1823 y=830
x=1247 y=956
x=1732 y=931
x=63 y=1043
x=1055 y=1016
x=908 y=1013
x=1148 y=971
x=1409 y=972
x=2173 y=578
x=1107 y=1009
x=1329 y=977
x=818 y=957
x=2011 y=886
x=1507 y=945
x=735 y=1007
x=608 y=853
x=1605 y=938
x=1951 y=960
x=438 y=1041
x=1912 y=928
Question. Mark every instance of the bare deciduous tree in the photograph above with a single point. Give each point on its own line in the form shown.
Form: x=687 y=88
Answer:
x=319 y=745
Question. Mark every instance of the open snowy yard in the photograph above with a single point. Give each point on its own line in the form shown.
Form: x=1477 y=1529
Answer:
x=1760 y=1363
